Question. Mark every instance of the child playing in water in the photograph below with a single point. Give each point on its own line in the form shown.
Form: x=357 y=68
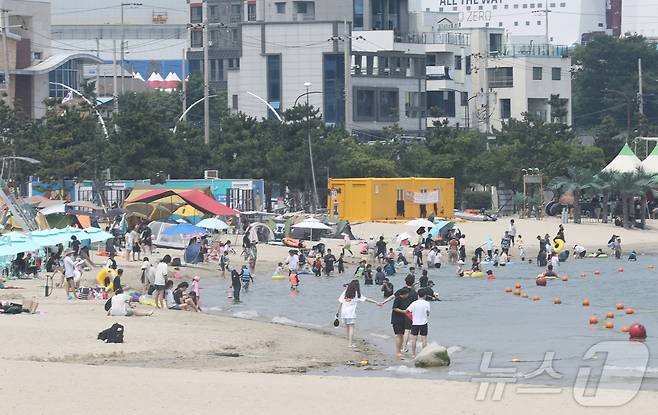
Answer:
x=368 y=275
x=279 y=270
x=387 y=288
x=475 y=266
x=317 y=266
x=360 y=270
x=247 y=278
x=341 y=263
x=460 y=268
x=503 y=259
x=294 y=281
x=519 y=242
x=495 y=258
x=379 y=276
x=632 y=256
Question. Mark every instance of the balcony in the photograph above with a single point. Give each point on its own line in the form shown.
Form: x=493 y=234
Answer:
x=535 y=50
x=434 y=38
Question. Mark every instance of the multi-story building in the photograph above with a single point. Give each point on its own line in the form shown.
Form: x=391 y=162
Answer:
x=290 y=48
x=524 y=21
x=36 y=70
x=638 y=17
x=154 y=35
x=224 y=17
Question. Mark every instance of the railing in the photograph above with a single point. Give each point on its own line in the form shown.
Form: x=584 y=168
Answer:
x=559 y=51
x=501 y=82
x=447 y=38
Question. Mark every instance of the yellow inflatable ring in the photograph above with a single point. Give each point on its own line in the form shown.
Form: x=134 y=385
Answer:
x=102 y=275
x=477 y=274
x=558 y=245
x=279 y=277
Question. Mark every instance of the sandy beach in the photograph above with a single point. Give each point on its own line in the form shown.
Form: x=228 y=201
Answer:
x=180 y=361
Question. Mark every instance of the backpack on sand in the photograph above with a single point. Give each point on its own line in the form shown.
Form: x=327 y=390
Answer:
x=112 y=335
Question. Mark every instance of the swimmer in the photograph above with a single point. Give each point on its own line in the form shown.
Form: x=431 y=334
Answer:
x=490 y=275
x=579 y=251
x=632 y=256
x=600 y=253
x=549 y=272
x=294 y=281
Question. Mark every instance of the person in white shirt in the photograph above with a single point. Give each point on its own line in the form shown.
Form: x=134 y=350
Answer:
x=129 y=244
x=293 y=260
x=504 y=259
x=555 y=261
x=120 y=307
x=348 y=302
x=160 y=279
x=512 y=231
x=431 y=255
x=148 y=275
x=420 y=312
x=70 y=274
x=438 y=259
x=580 y=251
x=490 y=246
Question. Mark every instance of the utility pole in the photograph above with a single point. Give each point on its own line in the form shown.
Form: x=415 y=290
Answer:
x=640 y=97
x=310 y=147
x=98 y=69
x=115 y=97
x=123 y=41
x=206 y=76
x=184 y=75
x=348 y=74
x=5 y=23
x=548 y=39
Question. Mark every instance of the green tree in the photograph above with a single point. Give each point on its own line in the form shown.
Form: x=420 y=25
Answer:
x=576 y=182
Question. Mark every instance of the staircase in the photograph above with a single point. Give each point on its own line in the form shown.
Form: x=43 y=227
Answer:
x=22 y=214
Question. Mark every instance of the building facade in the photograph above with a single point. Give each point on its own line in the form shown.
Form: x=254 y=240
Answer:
x=154 y=35
x=36 y=70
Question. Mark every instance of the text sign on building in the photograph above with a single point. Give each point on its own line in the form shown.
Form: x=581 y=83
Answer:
x=422 y=198
x=466 y=15
x=242 y=184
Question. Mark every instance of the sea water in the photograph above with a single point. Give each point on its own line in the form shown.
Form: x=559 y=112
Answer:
x=476 y=317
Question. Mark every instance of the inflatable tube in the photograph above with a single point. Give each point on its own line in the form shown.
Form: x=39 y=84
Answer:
x=558 y=245
x=279 y=277
x=144 y=300
x=103 y=277
x=477 y=274
x=593 y=255
x=292 y=243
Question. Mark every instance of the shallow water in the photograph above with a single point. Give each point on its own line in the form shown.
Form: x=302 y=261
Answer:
x=477 y=316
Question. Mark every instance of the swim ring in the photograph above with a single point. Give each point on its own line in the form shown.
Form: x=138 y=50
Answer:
x=103 y=276
x=477 y=274
x=593 y=255
x=279 y=277
x=558 y=245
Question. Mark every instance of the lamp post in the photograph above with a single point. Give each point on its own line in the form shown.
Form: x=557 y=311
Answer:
x=310 y=146
x=123 y=41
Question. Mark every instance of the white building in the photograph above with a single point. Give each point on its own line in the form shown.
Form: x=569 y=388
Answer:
x=155 y=33
x=525 y=20
x=639 y=17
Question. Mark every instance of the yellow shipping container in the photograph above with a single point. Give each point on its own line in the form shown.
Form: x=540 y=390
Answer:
x=371 y=199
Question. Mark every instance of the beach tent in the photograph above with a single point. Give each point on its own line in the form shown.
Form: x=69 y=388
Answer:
x=166 y=241
x=188 y=213
x=626 y=161
x=155 y=80
x=195 y=198
x=260 y=232
x=650 y=164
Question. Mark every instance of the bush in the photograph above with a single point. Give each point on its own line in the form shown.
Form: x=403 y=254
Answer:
x=477 y=200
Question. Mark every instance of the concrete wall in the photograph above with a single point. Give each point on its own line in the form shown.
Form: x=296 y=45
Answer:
x=324 y=10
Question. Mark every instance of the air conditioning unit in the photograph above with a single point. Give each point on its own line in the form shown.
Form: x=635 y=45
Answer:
x=211 y=174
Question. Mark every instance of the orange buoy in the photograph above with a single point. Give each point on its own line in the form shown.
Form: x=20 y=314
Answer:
x=609 y=325
x=610 y=315
x=535 y=298
x=630 y=310
x=593 y=320
x=597 y=272
x=557 y=300
x=620 y=306
x=583 y=274
x=517 y=292
x=585 y=302
x=517 y=285
x=508 y=290
x=564 y=278
x=524 y=295
x=625 y=329
x=620 y=269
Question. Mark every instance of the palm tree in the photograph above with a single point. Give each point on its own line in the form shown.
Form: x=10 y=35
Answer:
x=577 y=181
x=602 y=183
x=646 y=183
x=627 y=185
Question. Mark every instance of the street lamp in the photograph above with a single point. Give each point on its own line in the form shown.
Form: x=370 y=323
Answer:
x=26 y=159
x=310 y=146
x=78 y=93
x=188 y=110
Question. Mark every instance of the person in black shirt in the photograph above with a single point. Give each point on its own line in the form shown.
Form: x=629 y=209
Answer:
x=381 y=249
x=183 y=300
x=116 y=283
x=75 y=245
x=423 y=279
x=399 y=318
x=236 y=284
x=387 y=288
x=329 y=260
x=410 y=282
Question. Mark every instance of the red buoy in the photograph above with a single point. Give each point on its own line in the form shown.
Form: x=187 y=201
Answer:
x=541 y=281
x=637 y=331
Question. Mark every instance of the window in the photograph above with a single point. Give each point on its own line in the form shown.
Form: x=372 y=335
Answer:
x=468 y=65
x=212 y=12
x=441 y=103
x=538 y=22
x=556 y=74
x=458 y=63
x=563 y=4
x=302 y=7
x=389 y=105
x=414 y=106
x=527 y=23
x=281 y=8
x=2 y=78
x=251 y=12
x=464 y=99
x=69 y=73
x=358 y=15
x=516 y=23
x=495 y=42
x=537 y=73
x=236 y=13
x=430 y=60
x=37 y=56
x=196 y=38
x=525 y=6
x=500 y=24
x=230 y=63
x=273 y=83
x=505 y=108
x=501 y=77
x=214 y=38
x=333 y=80
x=196 y=15
x=364 y=110
x=234 y=102
x=216 y=69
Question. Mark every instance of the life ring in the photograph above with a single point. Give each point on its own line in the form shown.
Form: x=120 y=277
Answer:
x=279 y=277
x=558 y=245
x=103 y=277
x=477 y=274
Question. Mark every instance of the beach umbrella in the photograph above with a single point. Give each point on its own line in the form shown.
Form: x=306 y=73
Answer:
x=417 y=223
x=85 y=205
x=58 y=208
x=184 y=229
x=312 y=224
x=213 y=223
x=403 y=236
